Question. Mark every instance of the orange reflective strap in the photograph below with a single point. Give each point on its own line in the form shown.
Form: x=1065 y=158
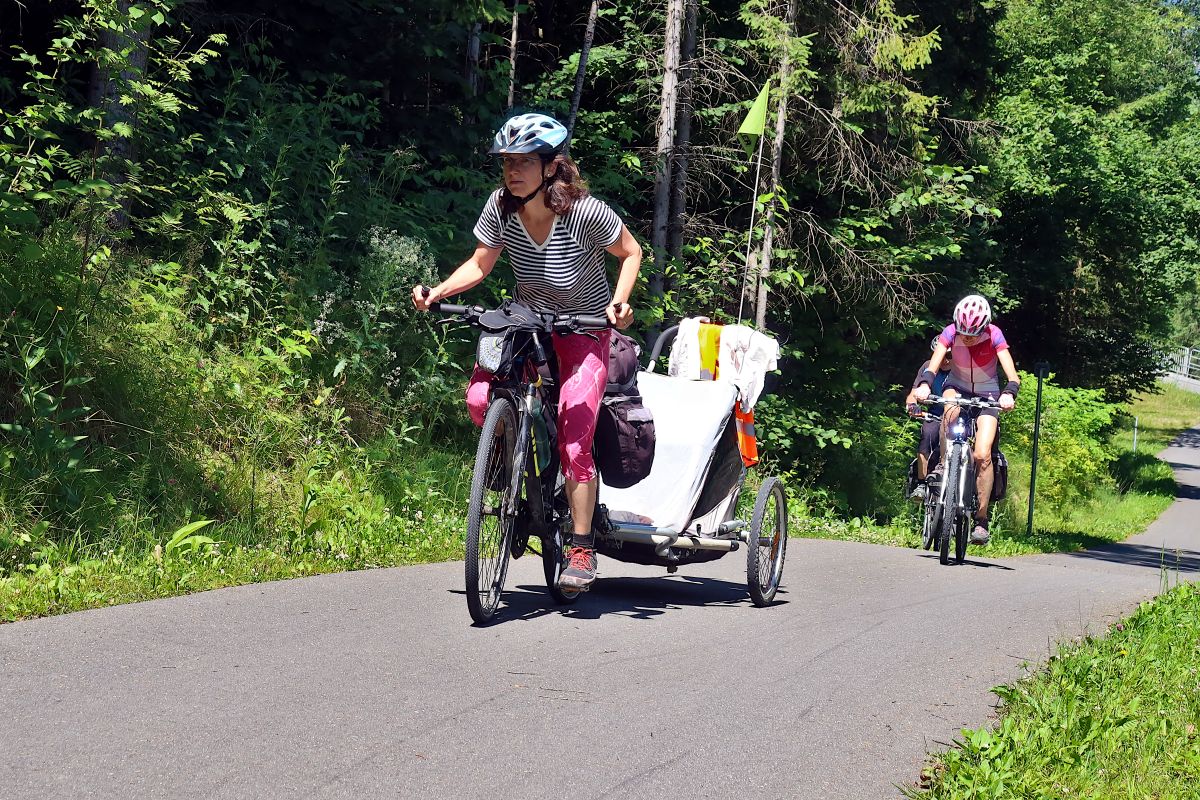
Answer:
x=747 y=442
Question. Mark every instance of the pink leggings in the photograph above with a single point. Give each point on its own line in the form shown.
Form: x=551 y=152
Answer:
x=582 y=373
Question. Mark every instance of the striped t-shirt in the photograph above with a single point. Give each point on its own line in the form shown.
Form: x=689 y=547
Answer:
x=564 y=274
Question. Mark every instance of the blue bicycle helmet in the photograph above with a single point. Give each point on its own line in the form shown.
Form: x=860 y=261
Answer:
x=529 y=133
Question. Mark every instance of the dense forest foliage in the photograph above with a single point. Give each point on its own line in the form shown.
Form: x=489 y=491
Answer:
x=212 y=212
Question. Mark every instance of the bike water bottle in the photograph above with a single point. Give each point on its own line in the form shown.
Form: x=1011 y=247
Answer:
x=541 y=436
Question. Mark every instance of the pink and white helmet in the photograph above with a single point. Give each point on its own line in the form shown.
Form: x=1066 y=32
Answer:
x=972 y=315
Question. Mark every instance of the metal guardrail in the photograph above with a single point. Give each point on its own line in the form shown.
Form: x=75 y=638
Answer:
x=1185 y=362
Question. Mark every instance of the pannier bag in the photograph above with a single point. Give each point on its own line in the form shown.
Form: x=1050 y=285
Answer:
x=999 y=476
x=623 y=355
x=624 y=441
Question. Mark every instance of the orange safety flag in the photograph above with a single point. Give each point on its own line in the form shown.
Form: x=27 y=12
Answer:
x=747 y=442
x=710 y=347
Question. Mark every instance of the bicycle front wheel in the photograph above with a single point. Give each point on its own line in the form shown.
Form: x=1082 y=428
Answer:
x=489 y=517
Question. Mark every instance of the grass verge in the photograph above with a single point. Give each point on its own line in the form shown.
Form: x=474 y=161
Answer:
x=411 y=512
x=1116 y=716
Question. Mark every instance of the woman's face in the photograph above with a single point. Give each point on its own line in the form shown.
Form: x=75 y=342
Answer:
x=522 y=173
x=971 y=341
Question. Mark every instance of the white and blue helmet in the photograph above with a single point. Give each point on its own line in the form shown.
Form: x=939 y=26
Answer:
x=530 y=133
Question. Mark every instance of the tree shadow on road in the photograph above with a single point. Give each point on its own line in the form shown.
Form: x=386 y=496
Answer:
x=1141 y=555
x=636 y=598
x=1189 y=438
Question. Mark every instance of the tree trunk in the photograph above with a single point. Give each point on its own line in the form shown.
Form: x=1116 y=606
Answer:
x=512 y=57
x=472 y=67
x=105 y=95
x=664 y=152
x=582 y=69
x=683 y=133
x=764 y=261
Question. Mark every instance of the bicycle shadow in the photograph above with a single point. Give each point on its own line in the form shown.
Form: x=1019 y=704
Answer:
x=967 y=562
x=635 y=598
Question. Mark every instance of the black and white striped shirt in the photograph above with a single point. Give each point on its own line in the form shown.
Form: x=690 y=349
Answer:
x=565 y=274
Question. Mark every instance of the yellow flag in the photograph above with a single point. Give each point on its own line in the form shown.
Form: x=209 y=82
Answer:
x=755 y=121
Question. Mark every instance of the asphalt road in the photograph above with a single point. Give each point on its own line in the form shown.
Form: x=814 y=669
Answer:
x=372 y=684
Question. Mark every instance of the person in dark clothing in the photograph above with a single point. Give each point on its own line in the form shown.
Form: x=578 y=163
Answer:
x=929 y=447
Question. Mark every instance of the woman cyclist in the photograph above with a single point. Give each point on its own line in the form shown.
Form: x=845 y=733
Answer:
x=979 y=351
x=929 y=446
x=556 y=236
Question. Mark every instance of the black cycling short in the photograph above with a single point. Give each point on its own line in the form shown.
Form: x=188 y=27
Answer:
x=931 y=432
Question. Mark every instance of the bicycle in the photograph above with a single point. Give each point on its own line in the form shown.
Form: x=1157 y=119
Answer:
x=932 y=504
x=956 y=492
x=516 y=482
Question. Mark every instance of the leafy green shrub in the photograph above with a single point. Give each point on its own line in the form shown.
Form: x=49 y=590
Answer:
x=1073 y=458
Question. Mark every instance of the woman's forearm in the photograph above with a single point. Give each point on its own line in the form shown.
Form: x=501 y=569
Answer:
x=467 y=276
x=627 y=278
x=470 y=273
x=1010 y=369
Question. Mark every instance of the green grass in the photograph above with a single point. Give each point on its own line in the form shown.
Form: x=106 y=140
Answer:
x=1114 y=717
x=404 y=509
x=1161 y=417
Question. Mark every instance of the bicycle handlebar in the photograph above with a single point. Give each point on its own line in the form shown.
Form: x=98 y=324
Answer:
x=969 y=402
x=560 y=323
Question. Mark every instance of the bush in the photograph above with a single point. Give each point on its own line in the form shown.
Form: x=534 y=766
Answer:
x=1073 y=458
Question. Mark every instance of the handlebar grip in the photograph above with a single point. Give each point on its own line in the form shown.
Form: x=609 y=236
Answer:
x=448 y=308
x=589 y=321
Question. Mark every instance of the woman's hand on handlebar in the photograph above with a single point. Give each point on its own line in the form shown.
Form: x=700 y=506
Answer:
x=620 y=315
x=423 y=297
x=1007 y=402
x=921 y=393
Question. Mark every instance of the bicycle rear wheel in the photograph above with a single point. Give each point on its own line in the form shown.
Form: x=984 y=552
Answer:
x=949 y=505
x=932 y=518
x=489 y=524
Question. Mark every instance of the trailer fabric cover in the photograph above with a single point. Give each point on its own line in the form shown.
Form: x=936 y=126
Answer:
x=689 y=418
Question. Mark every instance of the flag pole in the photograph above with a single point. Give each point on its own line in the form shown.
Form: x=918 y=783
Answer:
x=750 y=235
x=754 y=124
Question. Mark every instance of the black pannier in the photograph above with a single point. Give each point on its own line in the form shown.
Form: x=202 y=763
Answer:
x=624 y=441
x=999 y=475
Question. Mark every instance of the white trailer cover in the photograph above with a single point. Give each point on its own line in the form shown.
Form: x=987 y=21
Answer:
x=688 y=419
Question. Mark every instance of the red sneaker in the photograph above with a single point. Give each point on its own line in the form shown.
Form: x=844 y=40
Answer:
x=581 y=570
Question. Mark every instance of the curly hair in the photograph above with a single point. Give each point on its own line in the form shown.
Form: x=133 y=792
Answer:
x=565 y=187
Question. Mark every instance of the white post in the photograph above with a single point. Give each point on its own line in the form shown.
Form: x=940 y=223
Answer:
x=1135 y=423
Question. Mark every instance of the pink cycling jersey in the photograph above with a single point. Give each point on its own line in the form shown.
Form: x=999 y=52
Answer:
x=582 y=372
x=976 y=368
